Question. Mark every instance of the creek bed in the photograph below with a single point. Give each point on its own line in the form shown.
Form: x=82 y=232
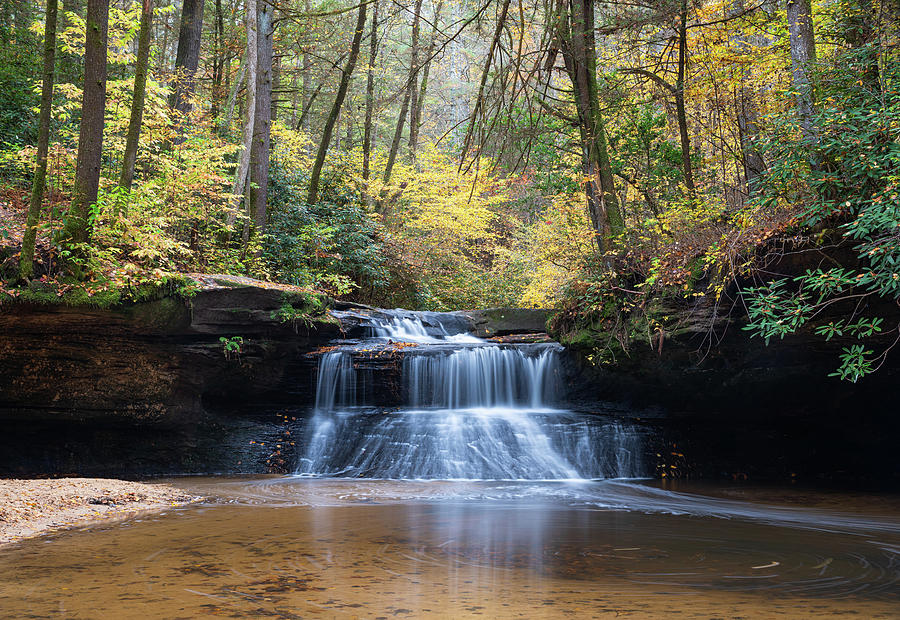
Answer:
x=297 y=547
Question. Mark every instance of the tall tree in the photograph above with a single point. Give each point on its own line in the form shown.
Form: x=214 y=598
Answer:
x=747 y=112
x=370 y=94
x=225 y=123
x=187 y=59
x=259 y=152
x=327 y=131
x=416 y=113
x=218 y=60
x=137 y=101
x=414 y=83
x=803 y=55
x=243 y=166
x=307 y=89
x=26 y=258
x=679 y=100
x=90 y=138
x=576 y=41
x=411 y=89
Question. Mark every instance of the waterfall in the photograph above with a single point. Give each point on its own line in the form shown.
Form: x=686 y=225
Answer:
x=403 y=326
x=487 y=376
x=472 y=410
x=336 y=384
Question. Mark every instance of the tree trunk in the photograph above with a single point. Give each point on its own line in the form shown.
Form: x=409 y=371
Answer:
x=411 y=91
x=26 y=258
x=313 y=195
x=803 y=55
x=307 y=90
x=304 y=123
x=414 y=83
x=162 y=57
x=276 y=85
x=415 y=119
x=259 y=153
x=137 y=100
x=225 y=125
x=294 y=92
x=90 y=137
x=679 y=101
x=218 y=61
x=370 y=94
x=578 y=46
x=398 y=134
x=187 y=58
x=747 y=112
x=240 y=175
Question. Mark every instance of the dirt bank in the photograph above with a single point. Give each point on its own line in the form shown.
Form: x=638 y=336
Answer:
x=33 y=507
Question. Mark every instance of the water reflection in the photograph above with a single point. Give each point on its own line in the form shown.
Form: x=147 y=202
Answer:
x=312 y=548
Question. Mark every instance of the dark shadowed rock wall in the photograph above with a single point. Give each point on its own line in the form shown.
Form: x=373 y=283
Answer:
x=729 y=406
x=148 y=388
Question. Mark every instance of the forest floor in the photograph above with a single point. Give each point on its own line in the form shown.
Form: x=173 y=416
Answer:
x=33 y=507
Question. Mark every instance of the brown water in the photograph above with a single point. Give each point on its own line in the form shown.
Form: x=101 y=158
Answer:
x=305 y=548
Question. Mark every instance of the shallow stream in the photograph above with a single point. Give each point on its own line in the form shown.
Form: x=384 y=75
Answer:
x=293 y=547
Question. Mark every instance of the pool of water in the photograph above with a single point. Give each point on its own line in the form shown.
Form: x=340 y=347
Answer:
x=295 y=547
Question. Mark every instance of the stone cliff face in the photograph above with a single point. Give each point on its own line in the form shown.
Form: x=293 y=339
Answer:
x=727 y=405
x=149 y=387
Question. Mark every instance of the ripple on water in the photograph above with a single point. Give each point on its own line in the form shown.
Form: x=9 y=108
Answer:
x=282 y=546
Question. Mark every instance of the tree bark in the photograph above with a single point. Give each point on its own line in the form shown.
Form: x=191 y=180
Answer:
x=218 y=61
x=187 y=58
x=679 y=101
x=398 y=134
x=576 y=38
x=162 y=57
x=803 y=55
x=411 y=91
x=26 y=258
x=259 y=153
x=307 y=90
x=370 y=94
x=225 y=125
x=240 y=175
x=414 y=83
x=313 y=195
x=276 y=85
x=137 y=100
x=295 y=103
x=415 y=119
x=747 y=113
x=77 y=228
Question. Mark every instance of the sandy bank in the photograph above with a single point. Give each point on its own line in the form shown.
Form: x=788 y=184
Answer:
x=32 y=507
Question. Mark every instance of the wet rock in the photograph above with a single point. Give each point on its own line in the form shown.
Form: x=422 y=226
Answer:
x=506 y=321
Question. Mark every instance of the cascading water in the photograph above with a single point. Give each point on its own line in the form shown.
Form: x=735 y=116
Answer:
x=484 y=376
x=473 y=409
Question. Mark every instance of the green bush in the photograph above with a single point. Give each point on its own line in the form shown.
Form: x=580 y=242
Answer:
x=333 y=244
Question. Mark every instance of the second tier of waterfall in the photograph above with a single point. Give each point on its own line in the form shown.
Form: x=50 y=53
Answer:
x=472 y=409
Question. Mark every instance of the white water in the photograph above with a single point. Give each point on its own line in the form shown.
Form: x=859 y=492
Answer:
x=486 y=376
x=473 y=410
x=400 y=328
